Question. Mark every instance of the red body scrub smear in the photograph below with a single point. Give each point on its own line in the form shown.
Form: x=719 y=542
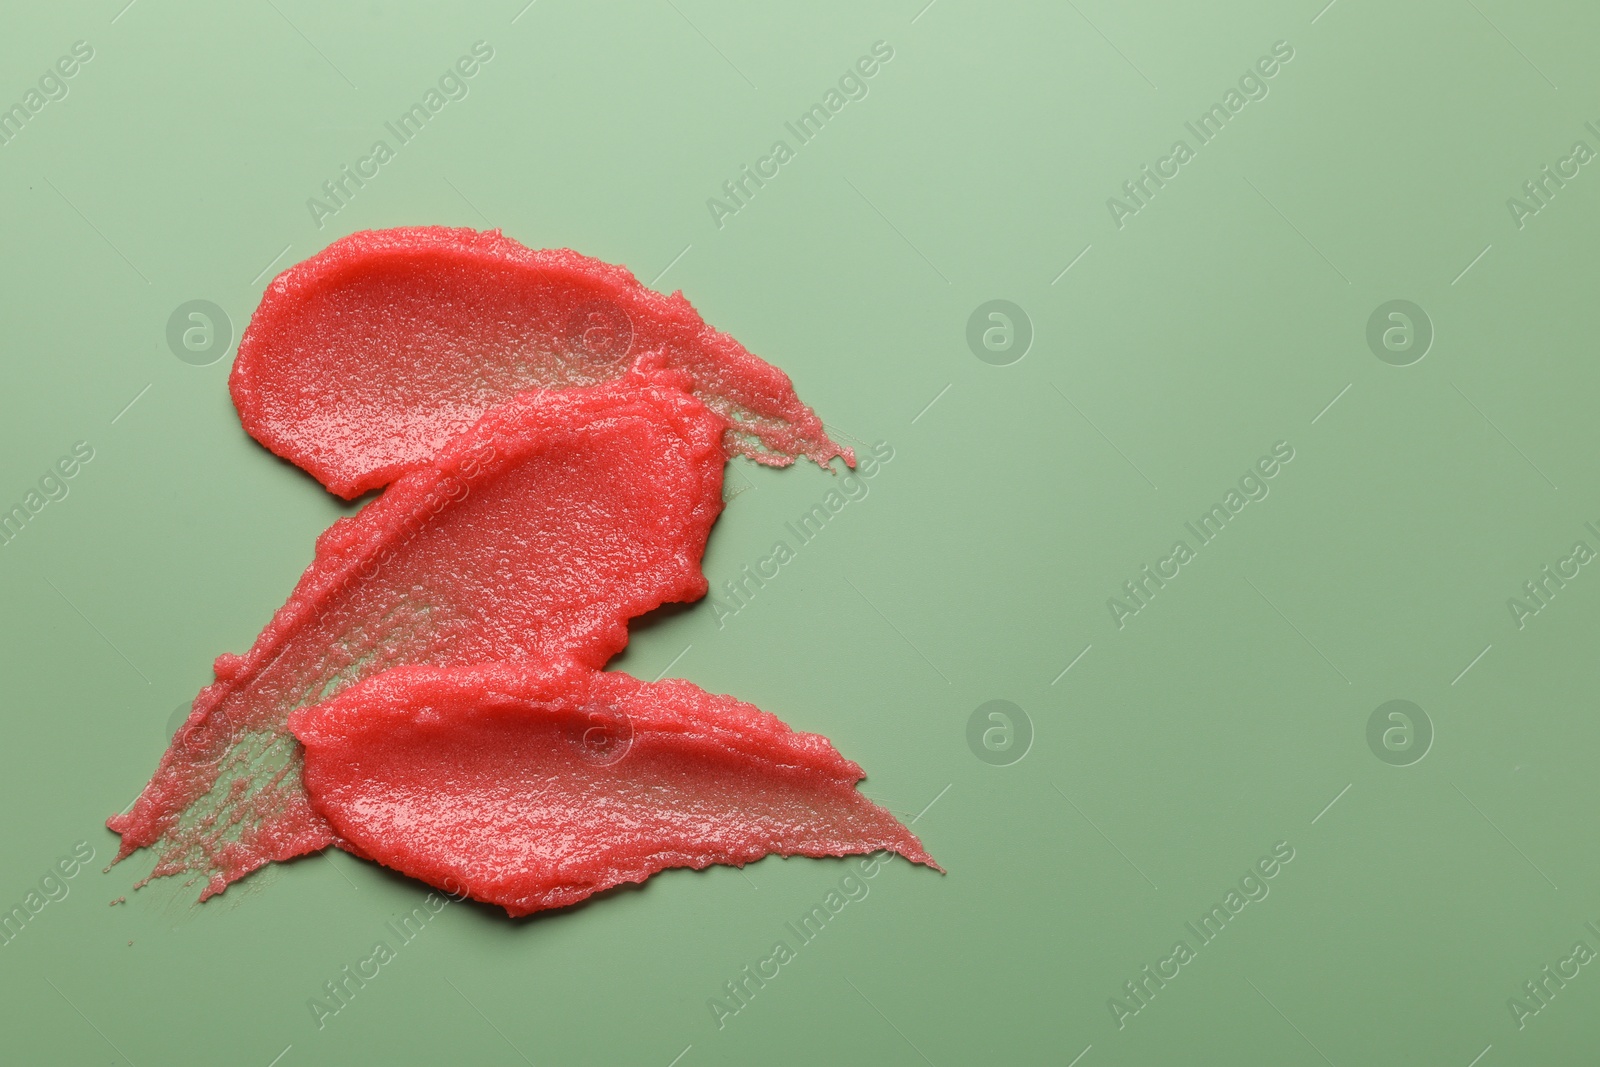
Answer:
x=533 y=785
x=555 y=436
x=472 y=319
x=541 y=531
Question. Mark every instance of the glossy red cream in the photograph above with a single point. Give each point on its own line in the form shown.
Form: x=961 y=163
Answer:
x=440 y=661
x=362 y=361
x=537 y=783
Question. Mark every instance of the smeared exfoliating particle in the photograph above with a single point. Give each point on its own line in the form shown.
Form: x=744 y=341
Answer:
x=538 y=532
x=534 y=784
x=362 y=362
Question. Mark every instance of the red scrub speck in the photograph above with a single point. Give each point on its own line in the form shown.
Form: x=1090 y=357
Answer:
x=364 y=360
x=535 y=784
x=552 y=436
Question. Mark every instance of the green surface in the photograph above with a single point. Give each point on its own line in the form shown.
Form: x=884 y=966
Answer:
x=1222 y=317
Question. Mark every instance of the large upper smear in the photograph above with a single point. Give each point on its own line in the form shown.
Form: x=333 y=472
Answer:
x=363 y=361
x=555 y=436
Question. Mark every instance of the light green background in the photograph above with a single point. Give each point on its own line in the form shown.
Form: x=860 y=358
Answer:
x=1222 y=318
